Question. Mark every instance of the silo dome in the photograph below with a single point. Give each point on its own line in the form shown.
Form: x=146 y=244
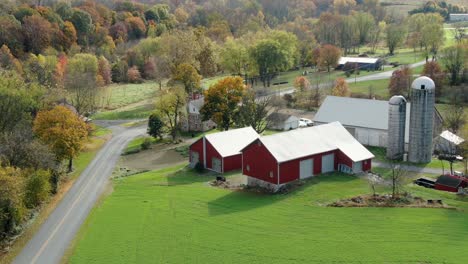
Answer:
x=397 y=100
x=423 y=83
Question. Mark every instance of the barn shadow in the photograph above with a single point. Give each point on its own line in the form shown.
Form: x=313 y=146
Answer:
x=240 y=201
x=245 y=200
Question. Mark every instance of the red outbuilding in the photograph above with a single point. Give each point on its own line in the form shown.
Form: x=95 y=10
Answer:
x=450 y=183
x=220 y=152
x=275 y=160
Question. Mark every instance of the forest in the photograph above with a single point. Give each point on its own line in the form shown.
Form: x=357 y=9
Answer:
x=59 y=58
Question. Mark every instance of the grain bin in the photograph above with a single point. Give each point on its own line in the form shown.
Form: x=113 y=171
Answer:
x=396 y=127
x=421 y=120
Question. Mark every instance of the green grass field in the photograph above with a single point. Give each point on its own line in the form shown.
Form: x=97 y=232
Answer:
x=378 y=87
x=171 y=216
x=137 y=112
x=124 y=94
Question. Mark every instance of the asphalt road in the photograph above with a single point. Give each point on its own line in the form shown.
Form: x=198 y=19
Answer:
x=371 y=77
x=381 y=75
x=52 y=240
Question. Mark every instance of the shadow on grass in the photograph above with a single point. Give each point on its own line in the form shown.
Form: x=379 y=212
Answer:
x=245 y=200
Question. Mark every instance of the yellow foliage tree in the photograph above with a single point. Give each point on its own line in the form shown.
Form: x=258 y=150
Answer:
x=341 y=88
x=63 y=131
x=222 y=100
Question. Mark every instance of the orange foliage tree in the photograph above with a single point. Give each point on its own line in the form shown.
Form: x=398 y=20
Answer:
x=222 y=100
x=63 y=131
x=341 y=88
x=301 y=83
x=329 y=56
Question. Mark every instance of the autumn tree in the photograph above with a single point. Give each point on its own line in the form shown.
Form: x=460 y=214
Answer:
x=104 y=70
x=341 y=88
x=188 y=76
x=434 y=71
x=329 y=56
x=222 y=100
x=63 y=131
x=134 y=75
x=11 y=34
x=400 y=82
x=171 y=108
x=136 y=28
x=395 y=34
x=301 y=83
x=37 y=33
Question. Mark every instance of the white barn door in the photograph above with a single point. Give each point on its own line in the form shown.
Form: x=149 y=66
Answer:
x=194 y=158
x=328 y=163
x=357 y=167
x=306 y=168
x=216 y=164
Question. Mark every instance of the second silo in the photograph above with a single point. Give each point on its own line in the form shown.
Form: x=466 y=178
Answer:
x=421 y=120
x=396 y=127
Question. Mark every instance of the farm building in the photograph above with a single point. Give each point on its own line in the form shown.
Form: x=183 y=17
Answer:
x=281 y=121
x=447 y=142
x=275 y=160
x=370 y=64
x=458 y=17
x=365 y=119
x=193 y=121
x=450 y=183
x=220 y=152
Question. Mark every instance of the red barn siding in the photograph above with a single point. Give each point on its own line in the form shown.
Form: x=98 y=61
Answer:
x=232 y=163
x=210 y=153
x=290 y=170
x=341 y=158
x=197 y=146
x=260 y=162
x=441 y=187
x=367 y=165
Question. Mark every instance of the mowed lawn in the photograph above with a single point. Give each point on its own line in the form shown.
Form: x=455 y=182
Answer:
x=171 y=216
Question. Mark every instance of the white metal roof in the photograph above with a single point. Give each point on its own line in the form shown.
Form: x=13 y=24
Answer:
x=344 y=60
x=314 y=140
x=231 y=142
x=449 y=136
x=356 y=112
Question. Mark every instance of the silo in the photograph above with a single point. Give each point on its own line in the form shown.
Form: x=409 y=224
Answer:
x=421 y=120
x=396 y=127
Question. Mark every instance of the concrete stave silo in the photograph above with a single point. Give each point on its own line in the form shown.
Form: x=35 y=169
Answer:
x=396 y=127
x=421 y=120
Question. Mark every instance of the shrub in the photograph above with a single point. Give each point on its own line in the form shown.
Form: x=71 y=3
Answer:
x=146 y=144
x=37 y=188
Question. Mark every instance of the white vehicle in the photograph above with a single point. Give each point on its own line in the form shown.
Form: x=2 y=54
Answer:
x=306 y=121
x=302 y=123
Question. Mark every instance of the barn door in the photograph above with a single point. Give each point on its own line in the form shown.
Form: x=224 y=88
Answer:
x=306 y=168
x=216 y=164
x=357 y=167
x=328 y=163
x=194 y=158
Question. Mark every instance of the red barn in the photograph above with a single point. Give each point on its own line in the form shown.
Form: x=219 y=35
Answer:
x=278 y=159
x=220 y=152
x=450 y=183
